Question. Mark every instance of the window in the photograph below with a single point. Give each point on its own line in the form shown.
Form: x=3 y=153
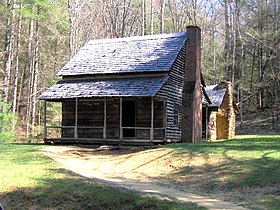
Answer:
x=176 y=115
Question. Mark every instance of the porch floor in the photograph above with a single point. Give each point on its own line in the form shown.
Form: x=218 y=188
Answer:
x=128 y=141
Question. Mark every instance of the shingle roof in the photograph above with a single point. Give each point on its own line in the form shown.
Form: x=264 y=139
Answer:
x=215 y=94
x=120 y=87
x=151 y=53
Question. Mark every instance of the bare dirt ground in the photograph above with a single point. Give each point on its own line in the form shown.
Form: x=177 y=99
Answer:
x=162 y=166
x=148 y=170
x=146 y=165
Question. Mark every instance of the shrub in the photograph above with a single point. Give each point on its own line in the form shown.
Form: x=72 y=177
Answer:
x=6 y=122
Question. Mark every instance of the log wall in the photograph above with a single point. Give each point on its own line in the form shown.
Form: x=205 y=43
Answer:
x=172 y=91
x=113 y=118
x=90 y=121
x=68 y=117
x=143 y=112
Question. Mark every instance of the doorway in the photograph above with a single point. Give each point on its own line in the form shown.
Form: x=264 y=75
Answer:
x=128 y=118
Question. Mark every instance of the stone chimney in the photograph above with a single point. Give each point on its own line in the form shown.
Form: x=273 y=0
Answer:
x=192 y=100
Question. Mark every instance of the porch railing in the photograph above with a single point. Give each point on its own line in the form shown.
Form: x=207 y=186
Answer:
x=99 y=132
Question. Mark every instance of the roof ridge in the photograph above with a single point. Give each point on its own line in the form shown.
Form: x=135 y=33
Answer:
x=139 y=38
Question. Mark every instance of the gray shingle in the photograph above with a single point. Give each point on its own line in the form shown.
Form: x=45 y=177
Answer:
x=121 y=87
x=151 y=53
x=215 y=94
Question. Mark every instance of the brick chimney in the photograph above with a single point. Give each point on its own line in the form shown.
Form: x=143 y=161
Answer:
x=192 y=101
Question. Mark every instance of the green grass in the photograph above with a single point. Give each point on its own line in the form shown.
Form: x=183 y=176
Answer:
x=248 y=163
x=29 y=180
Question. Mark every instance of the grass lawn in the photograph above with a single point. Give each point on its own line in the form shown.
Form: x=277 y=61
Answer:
x=248 y=168
x=245 y=170
x=29 y=180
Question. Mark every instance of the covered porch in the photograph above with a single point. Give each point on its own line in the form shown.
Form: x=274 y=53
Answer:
x=112 y=120
x=106 y=110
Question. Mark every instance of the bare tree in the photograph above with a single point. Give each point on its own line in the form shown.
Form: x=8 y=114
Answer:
x=8 y=50
x=34 y=75
x=162 y=8
x=152 y=17
x=144 y=19
x=16 y=71
x=74 y=7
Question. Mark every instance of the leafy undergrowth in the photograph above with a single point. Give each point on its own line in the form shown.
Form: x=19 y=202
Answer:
x=246 y=170
x=30 y=180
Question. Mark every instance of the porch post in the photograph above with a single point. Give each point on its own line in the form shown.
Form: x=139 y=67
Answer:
x=206 y=122
x=45 y=119
x=76 y=120
x=105 y=119
x=121 y=131
x=152 y=119
x=165 y=120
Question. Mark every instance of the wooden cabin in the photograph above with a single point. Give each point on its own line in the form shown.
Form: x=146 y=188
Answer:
x=131 y=90
x=221 y=112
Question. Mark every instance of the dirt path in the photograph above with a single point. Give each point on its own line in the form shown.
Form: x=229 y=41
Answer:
x=132 y=168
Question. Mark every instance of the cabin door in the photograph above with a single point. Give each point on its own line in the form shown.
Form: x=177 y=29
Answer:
x=128 y=118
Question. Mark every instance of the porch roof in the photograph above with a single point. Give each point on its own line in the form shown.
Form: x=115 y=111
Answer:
x=119 y=87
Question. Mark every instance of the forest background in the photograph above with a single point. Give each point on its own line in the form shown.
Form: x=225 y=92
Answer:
x=240 y=43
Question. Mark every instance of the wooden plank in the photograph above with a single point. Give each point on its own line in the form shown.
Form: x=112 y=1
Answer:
x=76 y=119
x=113 y=121
x=141 y=128
x=61 y=126
x=100 y=141
x=121 y=131
x=152 y=120
x=101 y=127
x=206 y=122
x=165 y=119
x=45 y=119
x=172 y=92
x=105 y=119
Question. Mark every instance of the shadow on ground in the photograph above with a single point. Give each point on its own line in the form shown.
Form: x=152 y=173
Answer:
x=249 y=170
x=76 y=192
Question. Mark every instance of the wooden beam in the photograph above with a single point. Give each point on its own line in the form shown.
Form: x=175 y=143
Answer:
x=105 y=119
x=121 y=131
x=76 y=119
x=165 y=120
x=152 y=120
x=206 y=122
x=45 y=119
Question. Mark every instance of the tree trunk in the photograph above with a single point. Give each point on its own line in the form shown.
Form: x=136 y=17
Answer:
x=144 y=24
x=16 y=67
x=34 y=78
x=252 y=68
x=276 y=63
x=8 y=50
x=162 y=6
x=239 y=60
x=152 y=18
x=25 y=79
x=123 y=19
x=260 y=29
x=194 y=8
x=227 y=41
x=73 y=16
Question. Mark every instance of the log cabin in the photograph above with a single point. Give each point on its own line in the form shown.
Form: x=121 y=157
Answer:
x=132 y=90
